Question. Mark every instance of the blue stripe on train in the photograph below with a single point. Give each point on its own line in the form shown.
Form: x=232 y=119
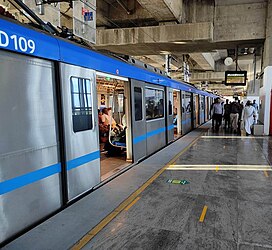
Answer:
x=82 y=160
x=23 y=180
x=151 y=133
x=29 y=178
x=186 y=121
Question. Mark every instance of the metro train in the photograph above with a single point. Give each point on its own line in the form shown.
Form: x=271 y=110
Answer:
x=50 y=93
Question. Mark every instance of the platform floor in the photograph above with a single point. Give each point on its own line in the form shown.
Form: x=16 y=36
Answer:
x=227 y=203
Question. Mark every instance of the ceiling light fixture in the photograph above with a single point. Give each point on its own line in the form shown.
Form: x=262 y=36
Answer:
x=101 y=74
x=179 y=42
x=165 y=52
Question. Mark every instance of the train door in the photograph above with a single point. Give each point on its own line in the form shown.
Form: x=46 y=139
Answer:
x=186 y=112
x=177 y=111
x=196 y=110
x=155 y=117
x=201 y=109
x=170 y=114
x=114 y=123
x=30 y=178
x=206 y=108
x=139 y=146
x=80 y=129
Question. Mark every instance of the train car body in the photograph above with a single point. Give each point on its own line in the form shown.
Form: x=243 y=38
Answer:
x=49 y=143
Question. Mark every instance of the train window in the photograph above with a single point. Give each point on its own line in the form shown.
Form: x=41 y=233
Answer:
x=187 y=101
x=138 y=100
x=81 y=104
x=170 y=103
x=154 y=103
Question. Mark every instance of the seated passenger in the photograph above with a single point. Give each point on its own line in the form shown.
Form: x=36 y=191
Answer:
x=106 y=119
x=124 y=121
x=103 y=129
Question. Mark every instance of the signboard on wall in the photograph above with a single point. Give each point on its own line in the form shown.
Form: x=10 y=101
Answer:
x=84 y=20
x=236 y=78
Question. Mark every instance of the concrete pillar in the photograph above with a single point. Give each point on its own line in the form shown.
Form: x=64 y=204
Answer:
x=265 y=96
x=268 y=40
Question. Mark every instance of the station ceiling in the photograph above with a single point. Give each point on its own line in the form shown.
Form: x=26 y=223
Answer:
x=203 y=33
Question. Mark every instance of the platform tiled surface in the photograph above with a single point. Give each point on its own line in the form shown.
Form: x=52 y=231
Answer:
x=63 y=230
x=239 y=214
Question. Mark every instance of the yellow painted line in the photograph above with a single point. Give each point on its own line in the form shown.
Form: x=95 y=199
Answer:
x=265 y=173
x=216 y=168
x=221 y=169
x=85 y=239
x=132 y=203
x=225 y=169
x=190 y=166
x=202 y=216
x=228 y=137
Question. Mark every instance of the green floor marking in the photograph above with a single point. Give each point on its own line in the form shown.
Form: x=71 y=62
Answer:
x=182 y=182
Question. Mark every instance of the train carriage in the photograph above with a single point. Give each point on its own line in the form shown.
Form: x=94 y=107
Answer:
x=50 y=147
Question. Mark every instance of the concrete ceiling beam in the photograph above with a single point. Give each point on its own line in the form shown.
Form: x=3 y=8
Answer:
x=204 y=60
x=158 y=61
x=164 y=34
x=163 y=10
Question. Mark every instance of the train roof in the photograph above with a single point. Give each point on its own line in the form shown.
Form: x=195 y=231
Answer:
x=20 y=38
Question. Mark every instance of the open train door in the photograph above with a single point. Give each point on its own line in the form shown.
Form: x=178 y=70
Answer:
x=138 y=120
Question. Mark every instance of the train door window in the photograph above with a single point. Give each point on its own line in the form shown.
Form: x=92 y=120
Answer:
x=170 y=103
x=154 y=102
x=188 y=103
x=138 y=100
x=81 y=104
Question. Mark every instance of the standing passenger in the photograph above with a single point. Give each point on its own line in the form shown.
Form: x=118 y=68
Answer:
x=234 y=116
x=217 y=113
x=227 y=114
x=241 y=107
x=248 y=115
x=211 y=114
x=255 y=105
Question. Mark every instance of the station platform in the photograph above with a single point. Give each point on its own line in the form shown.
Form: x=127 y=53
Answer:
x=204 y=191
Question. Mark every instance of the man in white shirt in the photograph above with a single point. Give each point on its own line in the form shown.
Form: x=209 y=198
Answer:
x=248 y=115
x=217 y=113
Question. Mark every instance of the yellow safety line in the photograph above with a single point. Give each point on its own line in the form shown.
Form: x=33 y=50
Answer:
x=85 y=239
x=132 y=203
x=222 y=167
x=265 y=173
x=230 y=137
x=202 y=216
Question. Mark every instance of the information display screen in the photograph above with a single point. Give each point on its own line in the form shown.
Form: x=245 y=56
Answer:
x=236 y=78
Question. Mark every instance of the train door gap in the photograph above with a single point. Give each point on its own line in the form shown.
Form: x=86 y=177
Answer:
x=113 y=129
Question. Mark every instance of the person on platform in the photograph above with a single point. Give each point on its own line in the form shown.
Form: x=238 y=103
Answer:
x=248 y=115
x=255 y=105
x=227 y=114
x=217 y=113
x=234 y=115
